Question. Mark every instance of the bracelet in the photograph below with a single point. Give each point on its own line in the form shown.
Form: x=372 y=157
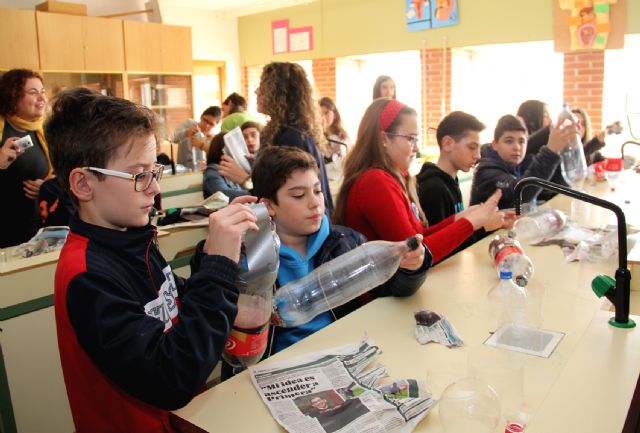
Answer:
x=247 y=184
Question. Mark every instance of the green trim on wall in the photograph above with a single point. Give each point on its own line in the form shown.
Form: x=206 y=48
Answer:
x=26 y=307
x=176 y=192
x=180 y=262
x=7 y=419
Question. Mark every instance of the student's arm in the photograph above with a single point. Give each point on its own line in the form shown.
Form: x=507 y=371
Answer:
x=164 y=369
x=213 y=182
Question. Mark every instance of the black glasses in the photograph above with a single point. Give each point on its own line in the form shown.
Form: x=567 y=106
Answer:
x=141 y=181
x=412 y=139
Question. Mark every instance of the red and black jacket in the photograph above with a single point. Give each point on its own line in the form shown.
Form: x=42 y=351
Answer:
x=135 y=339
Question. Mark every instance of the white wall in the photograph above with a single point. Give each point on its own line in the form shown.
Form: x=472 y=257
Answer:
x=214 y=36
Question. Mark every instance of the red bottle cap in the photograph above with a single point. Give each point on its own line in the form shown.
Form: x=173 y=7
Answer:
x=514 y=427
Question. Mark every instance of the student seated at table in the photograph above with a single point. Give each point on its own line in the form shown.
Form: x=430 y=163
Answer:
x=458 y=136
x=230 y=169
x=213 y=181
x=286 y=180
x=507 y=161
x=135 y=339
x=378 y=195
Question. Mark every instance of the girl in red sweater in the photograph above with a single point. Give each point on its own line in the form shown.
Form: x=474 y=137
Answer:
x=378 y=195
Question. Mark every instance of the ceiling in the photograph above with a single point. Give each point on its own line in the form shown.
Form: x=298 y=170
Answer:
x=237 y=7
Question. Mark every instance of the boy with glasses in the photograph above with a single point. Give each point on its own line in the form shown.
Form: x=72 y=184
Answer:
x=135 y=339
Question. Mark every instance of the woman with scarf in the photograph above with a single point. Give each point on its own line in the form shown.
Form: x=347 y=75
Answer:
x=23 y=102
x=378 y=195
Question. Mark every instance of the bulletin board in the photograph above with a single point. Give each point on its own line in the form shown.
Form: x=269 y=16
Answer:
x=617 y=25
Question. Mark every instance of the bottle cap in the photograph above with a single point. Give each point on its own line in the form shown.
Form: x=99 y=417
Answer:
x=514 y=427
x=505 y=274
x=412 y=243
x=602 y=284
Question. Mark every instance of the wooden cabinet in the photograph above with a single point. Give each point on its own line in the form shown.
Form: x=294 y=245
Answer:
x=74 y=43
x=20 y=39
x=151 y=47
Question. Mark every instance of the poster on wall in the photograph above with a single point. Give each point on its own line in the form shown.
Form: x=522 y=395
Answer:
x=588 y=24
x=430 y=14
x=286 y=39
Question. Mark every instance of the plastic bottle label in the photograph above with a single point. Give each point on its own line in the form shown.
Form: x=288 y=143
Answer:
x=247 y=342
x=505 y=251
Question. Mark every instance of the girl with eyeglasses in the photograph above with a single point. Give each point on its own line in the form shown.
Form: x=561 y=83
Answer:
x=378 y=195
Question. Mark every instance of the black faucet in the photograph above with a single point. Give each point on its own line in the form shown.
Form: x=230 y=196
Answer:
x=622 y=149
x=618 y=291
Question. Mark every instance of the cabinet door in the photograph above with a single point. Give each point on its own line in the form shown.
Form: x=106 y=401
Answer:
x=103 y=43
x=143 y=46
x=18 y=25
x=60 y=42
x=177 y=54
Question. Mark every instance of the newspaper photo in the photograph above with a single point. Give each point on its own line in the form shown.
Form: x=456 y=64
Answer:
x=334 y=391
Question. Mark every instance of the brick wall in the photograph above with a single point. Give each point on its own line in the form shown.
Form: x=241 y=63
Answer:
x=324 y=77
x=583 y=83
x=436 y=88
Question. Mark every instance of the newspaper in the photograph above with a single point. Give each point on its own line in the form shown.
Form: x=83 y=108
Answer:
x=333 y=391
x=432 y=326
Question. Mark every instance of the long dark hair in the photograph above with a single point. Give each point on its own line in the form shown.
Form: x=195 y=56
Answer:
x=216 y=148
x=378 y=84
x=336 y=128
x=532 y=112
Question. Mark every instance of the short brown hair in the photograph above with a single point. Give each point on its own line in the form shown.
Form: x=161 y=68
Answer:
x=275 y=165
x=86 y=128
x=216 y=149
x=457 y=125
x=509 y=122
x=11 y=87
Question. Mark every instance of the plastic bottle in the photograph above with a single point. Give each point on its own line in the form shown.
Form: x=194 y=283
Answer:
x=338 y=281
x=573 y=162
x=507 y=254
x=509 y=299
x=538 y=226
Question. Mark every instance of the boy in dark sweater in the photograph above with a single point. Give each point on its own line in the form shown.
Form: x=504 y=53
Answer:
x=135 y=339
x=458 y=136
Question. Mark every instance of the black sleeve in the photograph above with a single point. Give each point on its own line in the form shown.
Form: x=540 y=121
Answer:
x=435 y=201
x=544 y=165
x=591 y=148
x=537 y=140
x=485 y=181
x=164 y=369
x=404 y=282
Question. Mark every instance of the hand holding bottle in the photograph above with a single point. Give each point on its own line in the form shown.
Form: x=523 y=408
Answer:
x=412 y=259
x=226 y=227
x=9 y=152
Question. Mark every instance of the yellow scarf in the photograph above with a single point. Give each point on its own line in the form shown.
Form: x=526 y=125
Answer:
x=36 y=126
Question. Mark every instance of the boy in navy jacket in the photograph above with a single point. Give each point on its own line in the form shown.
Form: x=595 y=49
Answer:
x=135 y=339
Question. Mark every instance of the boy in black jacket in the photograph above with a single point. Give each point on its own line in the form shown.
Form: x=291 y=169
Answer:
x=507 y=161
x=439 y=192
x=135 y=339
x=286 y=180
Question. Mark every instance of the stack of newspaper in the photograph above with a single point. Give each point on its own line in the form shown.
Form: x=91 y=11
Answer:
x=330 y=391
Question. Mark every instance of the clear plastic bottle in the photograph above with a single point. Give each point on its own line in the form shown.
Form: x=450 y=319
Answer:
x=507 y=254
x=573 y=162
x=540 y=225
x=509 y=300
x=338 y=281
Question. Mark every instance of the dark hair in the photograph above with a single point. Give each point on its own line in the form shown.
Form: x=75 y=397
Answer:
x=213 y=111
x=216 y=149
x=11 y=89
x=586 y=136
x=378 y=84
x=87 y=128
x=239 y=102
x=457 y=125
x=532 y=112
x=506 y=123
x=275 y=165
x=250 y=124
x=336 y=127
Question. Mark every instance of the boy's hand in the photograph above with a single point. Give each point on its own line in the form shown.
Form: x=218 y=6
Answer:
x=413 y=259
x=226 y=227
x=9 y=152
x=559 y=136
x=479 y=215
x=231 y=170
x=509 y=218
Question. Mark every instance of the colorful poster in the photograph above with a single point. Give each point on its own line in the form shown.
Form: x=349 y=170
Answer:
x=589 y=23
x=429 y=14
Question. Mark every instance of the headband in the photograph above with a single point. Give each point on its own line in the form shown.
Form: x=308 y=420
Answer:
x=390 y=113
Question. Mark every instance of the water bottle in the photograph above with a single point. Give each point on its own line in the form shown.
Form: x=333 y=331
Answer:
x=540 y=225
x=573 y=162
x=508 y=299
x=259 y=262
x=507 y=253
x=338 y=281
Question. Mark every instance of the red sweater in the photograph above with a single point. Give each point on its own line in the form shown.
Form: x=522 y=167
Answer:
x=378 y=208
